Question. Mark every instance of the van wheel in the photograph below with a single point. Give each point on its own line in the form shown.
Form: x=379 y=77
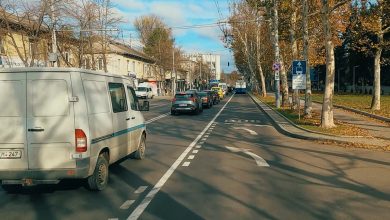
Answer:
x=99 y=179
x=139 y=154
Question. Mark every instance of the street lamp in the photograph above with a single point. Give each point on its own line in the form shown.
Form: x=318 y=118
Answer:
x=353 y=78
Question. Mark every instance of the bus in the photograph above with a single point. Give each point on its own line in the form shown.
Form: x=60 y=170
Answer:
x=241 y=87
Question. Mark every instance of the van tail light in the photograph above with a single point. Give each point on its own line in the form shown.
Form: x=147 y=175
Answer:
x=81 y=140
x=192 y=99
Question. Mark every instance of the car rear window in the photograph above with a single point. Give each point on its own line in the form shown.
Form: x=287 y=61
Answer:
x=184 y=96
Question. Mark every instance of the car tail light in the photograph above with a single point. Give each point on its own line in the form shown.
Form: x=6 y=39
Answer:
x=192 y=99
x=81 y=140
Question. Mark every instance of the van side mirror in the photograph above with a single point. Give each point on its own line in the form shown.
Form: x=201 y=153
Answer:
x=144 y=106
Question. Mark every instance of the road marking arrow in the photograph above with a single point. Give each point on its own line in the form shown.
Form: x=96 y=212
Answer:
x=246 y=129
x=259 y=160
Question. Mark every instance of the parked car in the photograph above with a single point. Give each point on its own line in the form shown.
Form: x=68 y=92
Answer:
x=144 y=91
x=66 y=123
x=219 y=91
x=207 y=99
x=214 y=95
x=188 y=101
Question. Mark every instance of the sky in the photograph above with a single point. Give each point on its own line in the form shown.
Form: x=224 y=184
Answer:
x=179 y=13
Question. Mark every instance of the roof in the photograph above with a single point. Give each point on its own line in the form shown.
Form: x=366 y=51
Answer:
x=20 y=20
x=122 y=49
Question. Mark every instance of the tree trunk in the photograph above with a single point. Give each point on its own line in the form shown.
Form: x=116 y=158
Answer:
x=376 y=95
x=327 y=105
x=277 y=59
x=294 y=49
x=308 y=103
x=258 y=62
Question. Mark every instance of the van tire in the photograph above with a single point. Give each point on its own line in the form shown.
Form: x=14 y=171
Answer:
x=139 y=154
x=99 y=179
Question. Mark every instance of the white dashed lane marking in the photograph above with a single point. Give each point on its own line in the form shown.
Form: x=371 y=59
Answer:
x=140 y=189
x=186 y=164
x=195 y=151
x=191 y=157
x=198 y=146
x=127 y=204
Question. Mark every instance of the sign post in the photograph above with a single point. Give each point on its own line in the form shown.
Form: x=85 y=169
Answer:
x=276 y=68
x=299 y=79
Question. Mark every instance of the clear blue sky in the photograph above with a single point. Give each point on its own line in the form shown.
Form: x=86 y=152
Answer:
x=179 y=13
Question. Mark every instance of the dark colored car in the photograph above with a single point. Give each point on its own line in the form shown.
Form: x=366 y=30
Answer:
x=214 y=95
x=207 y=99
x=186 y=102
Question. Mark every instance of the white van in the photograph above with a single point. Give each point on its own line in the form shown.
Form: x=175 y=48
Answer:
x=60 y=123
x=144 y=91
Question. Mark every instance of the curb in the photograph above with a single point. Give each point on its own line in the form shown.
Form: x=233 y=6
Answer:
x=284 y=131
x=381 y=118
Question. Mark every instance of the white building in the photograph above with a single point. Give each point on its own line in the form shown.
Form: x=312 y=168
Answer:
x=214 y=60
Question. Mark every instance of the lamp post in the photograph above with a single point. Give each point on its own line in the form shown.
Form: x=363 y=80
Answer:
x=353 y=78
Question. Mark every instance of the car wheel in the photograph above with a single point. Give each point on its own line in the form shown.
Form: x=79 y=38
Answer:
x=173 y=112
x=139 y=154
x=99 y=179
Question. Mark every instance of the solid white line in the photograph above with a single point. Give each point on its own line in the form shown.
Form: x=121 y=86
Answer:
x=149 y=197
x=127 y=204
x=195 y=151
x=140 y=189
x=191 y=157
x=185 y=164
x=157 y=118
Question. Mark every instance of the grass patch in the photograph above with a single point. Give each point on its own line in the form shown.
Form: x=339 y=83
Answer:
x=313 y=123
x=361 y=102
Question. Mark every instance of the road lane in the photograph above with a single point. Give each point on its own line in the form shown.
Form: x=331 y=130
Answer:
x=305 y=180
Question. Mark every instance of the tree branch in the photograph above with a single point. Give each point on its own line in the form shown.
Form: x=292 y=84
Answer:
x=386 y=30
x=339 y=4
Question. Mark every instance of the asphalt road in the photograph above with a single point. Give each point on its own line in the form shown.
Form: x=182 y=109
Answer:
x=226 y=163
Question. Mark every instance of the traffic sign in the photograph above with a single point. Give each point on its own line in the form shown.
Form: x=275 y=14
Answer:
x=276 y=67
x=277 y=76
x=299 y=74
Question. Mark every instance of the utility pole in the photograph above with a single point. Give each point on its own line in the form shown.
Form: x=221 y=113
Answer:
x=173 y=70
x=53 y=57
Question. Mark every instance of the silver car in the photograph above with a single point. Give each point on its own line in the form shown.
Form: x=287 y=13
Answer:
x=186 y=102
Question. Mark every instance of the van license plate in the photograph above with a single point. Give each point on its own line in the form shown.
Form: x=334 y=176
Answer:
x=10 y=154
x=182 y=105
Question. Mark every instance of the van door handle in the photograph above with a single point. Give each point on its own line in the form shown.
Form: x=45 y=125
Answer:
x=36 y=129
x=133 y=117
x=127 y=119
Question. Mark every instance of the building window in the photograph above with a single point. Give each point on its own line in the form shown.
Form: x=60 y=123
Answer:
x=2 y=49
x=134 y=66
x=128 y=66
x=100 y=64
x=66 y=55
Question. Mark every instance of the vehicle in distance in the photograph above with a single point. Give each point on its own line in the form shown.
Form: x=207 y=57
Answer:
x=219 y=91
x=188 y=101
x=144 y=91
x=66 y=123
x=207 y=99
x=215 y=96
x=223 y=87
x=241 y=87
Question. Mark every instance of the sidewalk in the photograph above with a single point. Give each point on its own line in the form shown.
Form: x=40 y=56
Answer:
x=380 y=132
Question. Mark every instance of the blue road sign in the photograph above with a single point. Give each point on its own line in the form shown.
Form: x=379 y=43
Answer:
x=299 y=74
x=299 y=67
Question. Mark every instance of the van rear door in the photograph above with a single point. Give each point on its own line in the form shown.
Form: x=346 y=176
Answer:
x=13 y=145
x=50 y=120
